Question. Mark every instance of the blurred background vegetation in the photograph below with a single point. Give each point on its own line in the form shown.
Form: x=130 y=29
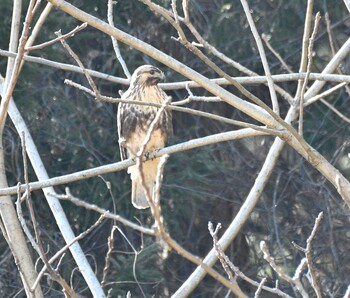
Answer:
x=74 y=132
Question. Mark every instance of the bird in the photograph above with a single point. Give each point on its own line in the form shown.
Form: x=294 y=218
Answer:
x=133 y=123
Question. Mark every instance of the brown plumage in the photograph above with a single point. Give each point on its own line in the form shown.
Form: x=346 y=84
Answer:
x=133 y=124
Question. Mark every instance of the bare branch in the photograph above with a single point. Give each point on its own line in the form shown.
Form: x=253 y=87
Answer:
x=50 y=42
x=262 y=56
x=78 y=61
x=108 y=257
x=69 y=197
x=258 y=290
x=81 y=175
x=305 y=43
x=308 y=253
x=11 y=78
x=221 y=255
x=66 y=247
x=254 y=79
x=325 y=93
x=293 y=281
x=114 y=41
x=333 y=109
x=308 y=71
x=273 y=51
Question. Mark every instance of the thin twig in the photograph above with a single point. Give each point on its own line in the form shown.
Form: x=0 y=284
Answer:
x=331 y=43
x=37 y=245
x=262 y=56
x=277 y=55
x=38 y=25
x=66 y=247
x=28 y=192
x=336 y=111
x=108 y=257
x=293 y=281
x=78 y=202
x=308 y=254
x=308 y=71
x=50 y=42
x=114 y=41
x=325 y=93
x=78 y=61
x=149 y=193
x=305 y=46
x=174 y=8
x=258 y=290
x=221 y=255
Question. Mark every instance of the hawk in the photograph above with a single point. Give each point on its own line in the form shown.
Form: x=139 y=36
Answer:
x=133 y=124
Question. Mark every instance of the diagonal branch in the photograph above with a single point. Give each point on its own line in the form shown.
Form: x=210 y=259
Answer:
x=114 y=41
x=262 y=56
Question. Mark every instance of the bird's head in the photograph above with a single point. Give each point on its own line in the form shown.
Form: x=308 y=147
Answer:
x=147 y=75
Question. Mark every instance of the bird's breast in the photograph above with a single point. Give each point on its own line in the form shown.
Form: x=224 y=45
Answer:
x=137 y=138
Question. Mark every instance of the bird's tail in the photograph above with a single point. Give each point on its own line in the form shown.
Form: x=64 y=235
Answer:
x=138 y=195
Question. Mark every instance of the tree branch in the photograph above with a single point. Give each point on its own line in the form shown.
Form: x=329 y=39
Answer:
x=109 y=168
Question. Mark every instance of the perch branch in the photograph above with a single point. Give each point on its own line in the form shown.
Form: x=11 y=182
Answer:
x=85 y=174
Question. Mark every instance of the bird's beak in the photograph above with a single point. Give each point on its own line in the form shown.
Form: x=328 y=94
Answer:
x=161 y=76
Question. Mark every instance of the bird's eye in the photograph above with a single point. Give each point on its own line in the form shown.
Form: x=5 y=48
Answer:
x=152 y=72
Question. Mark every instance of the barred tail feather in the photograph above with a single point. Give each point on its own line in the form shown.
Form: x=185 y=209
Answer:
x=138 y=196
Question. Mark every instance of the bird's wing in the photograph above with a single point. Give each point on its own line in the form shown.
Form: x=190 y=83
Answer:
x=126 y=122
x=167 y=120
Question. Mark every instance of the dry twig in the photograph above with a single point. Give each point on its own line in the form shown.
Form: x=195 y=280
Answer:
x=50 y=42
x=262 y=56
x=78 y=61
x=69 y=197
x=277 y=55
x=108 y=257
x=114 y=41
x=308 y=253
x=66 y=247
x=222 y=257
x=295 y=281
x=308 y=71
